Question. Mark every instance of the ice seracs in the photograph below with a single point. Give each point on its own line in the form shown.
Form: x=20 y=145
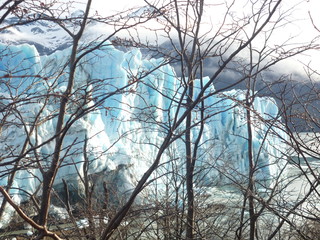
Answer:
x=122 y=134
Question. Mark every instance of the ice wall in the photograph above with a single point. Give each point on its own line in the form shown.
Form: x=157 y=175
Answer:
x=124 y=132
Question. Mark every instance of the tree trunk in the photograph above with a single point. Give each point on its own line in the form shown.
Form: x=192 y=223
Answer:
x=189 y=168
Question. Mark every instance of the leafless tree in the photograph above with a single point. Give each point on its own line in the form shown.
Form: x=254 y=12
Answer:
x=64 y=106
x=184 y=120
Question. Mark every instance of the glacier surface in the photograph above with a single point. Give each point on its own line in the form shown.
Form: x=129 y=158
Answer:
x=123 y=132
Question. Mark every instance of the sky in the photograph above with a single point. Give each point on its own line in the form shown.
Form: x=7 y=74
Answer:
x=109 y=7
x=300 y=26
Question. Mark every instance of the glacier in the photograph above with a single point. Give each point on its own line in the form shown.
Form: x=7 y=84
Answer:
x=133 y=99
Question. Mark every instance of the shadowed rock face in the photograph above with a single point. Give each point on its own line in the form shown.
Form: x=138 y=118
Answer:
x=106 y=188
